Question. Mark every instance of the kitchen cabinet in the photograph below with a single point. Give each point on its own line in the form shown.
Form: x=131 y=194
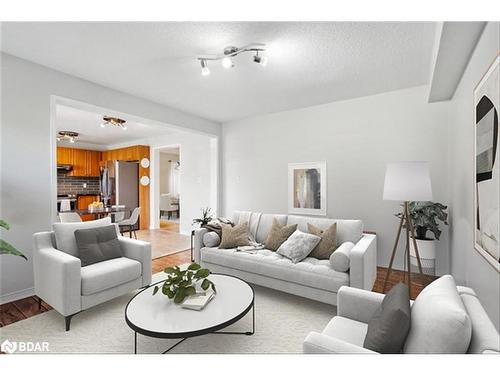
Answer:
x=83 y=203
x=85 y=162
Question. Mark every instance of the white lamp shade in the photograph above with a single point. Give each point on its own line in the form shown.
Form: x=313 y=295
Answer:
x=408 y=181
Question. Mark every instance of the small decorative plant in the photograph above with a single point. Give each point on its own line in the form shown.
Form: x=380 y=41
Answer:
x=179 y=284
x=7 y=248
x=424 y=216
x=206 y=217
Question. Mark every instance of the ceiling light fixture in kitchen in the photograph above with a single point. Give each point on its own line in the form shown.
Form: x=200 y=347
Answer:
x=114 y=121
x=67 y=135
x=227 y=59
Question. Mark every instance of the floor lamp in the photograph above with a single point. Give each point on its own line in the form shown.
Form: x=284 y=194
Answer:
x=405 y=182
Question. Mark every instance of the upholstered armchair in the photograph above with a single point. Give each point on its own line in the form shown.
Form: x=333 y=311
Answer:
x=69 y=288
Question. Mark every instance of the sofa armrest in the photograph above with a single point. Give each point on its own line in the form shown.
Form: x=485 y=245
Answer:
x=57 y=276
x=363 y=262
x=198 y=243
x=317 y=343
x=357 y=304
x=139 y=251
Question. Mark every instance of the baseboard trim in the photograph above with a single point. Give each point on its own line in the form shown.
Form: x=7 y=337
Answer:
x=14 y=296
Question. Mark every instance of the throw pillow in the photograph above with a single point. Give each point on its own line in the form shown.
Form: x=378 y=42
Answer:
x=97 y=244
x=389 y=326
x=439 y=320
x=328 y=242
x=340 y=260
x=298 y=246
x=278 y=234
x=211 y=239
x=232 y=237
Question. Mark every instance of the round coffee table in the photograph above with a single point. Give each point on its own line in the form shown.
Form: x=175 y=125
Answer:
x=158 y=316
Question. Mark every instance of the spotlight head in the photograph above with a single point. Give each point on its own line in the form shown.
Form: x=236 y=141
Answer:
x=103 y=124
x=72 y=140
x=204 y=68
x=227 y=62
x=262 y=60
x=124 y=127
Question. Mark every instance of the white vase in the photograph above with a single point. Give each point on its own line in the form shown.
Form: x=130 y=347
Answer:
x=427 y=252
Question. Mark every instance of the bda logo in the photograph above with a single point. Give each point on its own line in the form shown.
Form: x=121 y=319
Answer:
x=8 y=347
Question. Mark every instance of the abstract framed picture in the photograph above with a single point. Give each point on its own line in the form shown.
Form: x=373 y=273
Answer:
x=486 y=165
x=307 y=188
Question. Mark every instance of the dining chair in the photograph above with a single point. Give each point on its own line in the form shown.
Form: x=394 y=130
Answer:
x=69 y=217
x=167 y=205
x=118 y=216
x=65 y=205
x=131 y=222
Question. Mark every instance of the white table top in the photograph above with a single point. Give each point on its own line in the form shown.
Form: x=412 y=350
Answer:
x=159 y=316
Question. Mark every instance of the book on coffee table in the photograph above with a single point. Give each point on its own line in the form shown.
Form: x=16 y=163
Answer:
x=198 y=301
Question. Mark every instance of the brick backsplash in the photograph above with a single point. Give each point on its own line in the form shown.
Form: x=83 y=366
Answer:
x=74 y=185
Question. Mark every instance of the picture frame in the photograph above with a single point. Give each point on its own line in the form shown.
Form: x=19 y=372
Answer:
x=307 y=188
x=486 y=171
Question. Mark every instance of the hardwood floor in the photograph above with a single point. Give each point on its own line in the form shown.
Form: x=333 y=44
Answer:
x=27 y=307
x=166 y=240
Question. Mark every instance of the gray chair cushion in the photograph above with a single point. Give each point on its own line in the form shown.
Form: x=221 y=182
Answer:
x=97 y=244
x=65 y=234
x=439 y=320
x=298 y=246
x=340 y=259
x=211 y=239
x=108 y=274
x=389 y=326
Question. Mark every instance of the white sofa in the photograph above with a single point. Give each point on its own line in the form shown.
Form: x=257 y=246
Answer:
x=345 y=333
x=69 y=288
x=310 y=278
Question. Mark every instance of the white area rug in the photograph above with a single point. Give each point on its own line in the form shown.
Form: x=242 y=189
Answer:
x=282 y=323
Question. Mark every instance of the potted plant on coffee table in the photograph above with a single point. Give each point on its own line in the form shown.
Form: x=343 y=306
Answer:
x=425 y=217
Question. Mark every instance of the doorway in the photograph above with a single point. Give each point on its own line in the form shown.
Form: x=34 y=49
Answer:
x=169 y=198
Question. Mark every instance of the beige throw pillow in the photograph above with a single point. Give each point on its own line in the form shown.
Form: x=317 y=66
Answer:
x=328 y=242
x=233 y=237
x=278 y=234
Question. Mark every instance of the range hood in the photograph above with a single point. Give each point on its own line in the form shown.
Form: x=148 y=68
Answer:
x=64 y=168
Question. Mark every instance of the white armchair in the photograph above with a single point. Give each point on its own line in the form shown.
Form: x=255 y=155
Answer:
x=69 y=288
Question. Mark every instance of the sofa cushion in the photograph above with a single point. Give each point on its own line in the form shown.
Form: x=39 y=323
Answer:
x=65 y=233
x=347 y=230
x=328 y=242
x=278 y=234
x=340 y=260
x=347 y=330
x=389 y=326
x=265 y=224
x=310 y=272
x=298 y=246
x=234 y=236
x=439 y=320
x=97 y=244
x=211 y=239
x=108 y=274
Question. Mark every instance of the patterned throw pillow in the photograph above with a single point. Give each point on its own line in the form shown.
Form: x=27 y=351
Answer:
x=328 y=242
x=232 y=237
x=278 y=234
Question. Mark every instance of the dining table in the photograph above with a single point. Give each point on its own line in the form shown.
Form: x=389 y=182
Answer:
x=98 y=213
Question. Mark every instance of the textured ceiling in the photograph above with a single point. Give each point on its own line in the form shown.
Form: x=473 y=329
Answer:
x=309 y=63
x=88 y=125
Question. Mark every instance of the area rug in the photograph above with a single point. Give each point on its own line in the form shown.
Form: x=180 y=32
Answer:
x=282 y=323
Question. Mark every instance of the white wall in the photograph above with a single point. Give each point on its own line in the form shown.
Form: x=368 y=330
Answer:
x=356 y=138
x=165 y=171
x=467 y=265
x=27 y=167
x=197 y=186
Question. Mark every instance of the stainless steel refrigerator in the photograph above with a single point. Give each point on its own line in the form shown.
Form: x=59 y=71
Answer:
x=120 y=183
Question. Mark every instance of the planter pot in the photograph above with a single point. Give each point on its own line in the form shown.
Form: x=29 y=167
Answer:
x=427 y=252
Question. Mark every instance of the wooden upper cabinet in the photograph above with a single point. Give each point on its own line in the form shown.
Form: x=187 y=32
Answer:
x=85 y=162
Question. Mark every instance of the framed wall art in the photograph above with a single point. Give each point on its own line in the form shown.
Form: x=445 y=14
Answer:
x=307 y=188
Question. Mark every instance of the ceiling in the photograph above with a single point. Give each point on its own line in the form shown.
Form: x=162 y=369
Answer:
x=310 y=63
x=93 y=136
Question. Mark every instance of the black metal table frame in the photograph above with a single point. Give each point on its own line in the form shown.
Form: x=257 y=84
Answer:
x=183 y=336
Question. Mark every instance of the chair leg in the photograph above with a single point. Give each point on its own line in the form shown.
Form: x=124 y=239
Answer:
x=67 y=320
x=130 y=231
x=135 y=234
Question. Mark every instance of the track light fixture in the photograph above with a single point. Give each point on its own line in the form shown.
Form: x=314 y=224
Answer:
x=114 y=121
x=67 y=135
x=227 y=59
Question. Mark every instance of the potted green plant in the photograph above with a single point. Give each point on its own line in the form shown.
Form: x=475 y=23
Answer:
x=7 y=248
x=181 y=284
x=206 y=217
x=425 y=217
